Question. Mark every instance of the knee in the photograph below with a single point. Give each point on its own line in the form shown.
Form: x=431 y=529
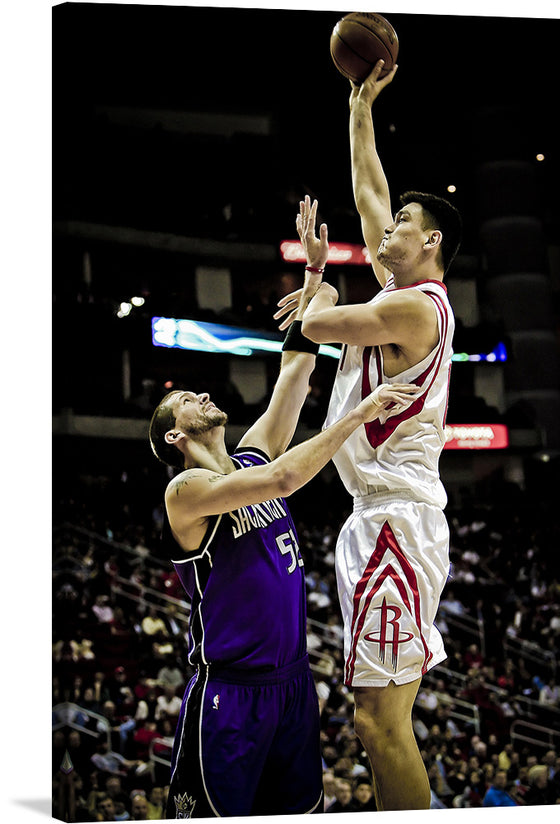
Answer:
x=373 y=729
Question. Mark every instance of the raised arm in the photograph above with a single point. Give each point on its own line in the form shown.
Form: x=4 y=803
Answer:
x=371 y=192
x=196 y=494
x=275 y=429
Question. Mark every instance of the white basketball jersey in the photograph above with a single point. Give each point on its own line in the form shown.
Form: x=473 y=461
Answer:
x=401 y=449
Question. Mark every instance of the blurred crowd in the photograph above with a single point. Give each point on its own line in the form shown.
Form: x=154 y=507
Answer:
x=120 y=667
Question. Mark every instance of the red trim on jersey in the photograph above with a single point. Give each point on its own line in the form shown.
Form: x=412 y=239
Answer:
x=418 y=283
x=386 y=541
x=377 y=432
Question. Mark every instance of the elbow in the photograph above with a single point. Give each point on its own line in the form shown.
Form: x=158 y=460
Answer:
x=285 y=481
x=359 y=198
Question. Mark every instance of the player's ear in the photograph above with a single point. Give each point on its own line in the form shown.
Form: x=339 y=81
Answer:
x=434 y=238
x=173 y=436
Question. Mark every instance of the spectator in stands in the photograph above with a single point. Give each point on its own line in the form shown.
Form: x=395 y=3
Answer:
x=88 y=701
x=541 y=789
x=102 y=609
x=497 y=795
x=505 y=757
x=155 y=804
x=550 y=759
x=176 y=627
x=122 y=803
x=117 y=723
x=143 y=737
x=105 y=808
x=170 y=675
x=153 y=626
x=507 y=678
x=473 y=658
x=344 y=802
x=146 y=707
x=426 y=703
x=113 y=763
x=363 y=796
x=138 y=806
x=168 y=705
x=121 y=627
x=113 y=786
x=549 y=694
x=451 y=604
x=473 y=793
x=100 y=690
x=329 y=785
x=556 y=774
x=118 y=684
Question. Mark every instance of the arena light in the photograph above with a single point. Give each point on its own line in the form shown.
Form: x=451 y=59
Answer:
x=124 y=309
x=176 y=333
x=499 y=353
x=200 y=336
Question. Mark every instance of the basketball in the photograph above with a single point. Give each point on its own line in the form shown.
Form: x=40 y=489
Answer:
x=359 y=40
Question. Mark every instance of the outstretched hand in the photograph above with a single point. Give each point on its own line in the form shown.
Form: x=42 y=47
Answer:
x=316 y=251
x=396 y=395
x=316 y=248
x=371 y=87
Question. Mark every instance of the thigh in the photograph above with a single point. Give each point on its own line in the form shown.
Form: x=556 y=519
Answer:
x=225 y=738
x=391 y=565
x=292 y=780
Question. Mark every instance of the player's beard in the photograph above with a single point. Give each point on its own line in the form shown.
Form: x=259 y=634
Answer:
x=384 y=255
x=207 y=422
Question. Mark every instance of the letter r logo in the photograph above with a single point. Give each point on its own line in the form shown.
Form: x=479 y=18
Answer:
x=389 y=617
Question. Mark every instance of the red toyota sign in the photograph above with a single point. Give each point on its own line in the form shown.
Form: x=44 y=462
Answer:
x=347 y=253
x=476 y=436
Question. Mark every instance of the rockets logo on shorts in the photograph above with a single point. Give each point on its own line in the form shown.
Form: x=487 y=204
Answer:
x=390 y=615
x=387 y=565
x=184 y=806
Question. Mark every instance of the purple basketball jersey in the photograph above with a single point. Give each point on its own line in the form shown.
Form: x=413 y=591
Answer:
x=246 y=585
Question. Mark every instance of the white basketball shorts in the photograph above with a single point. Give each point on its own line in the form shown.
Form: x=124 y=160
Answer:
x=392 y=562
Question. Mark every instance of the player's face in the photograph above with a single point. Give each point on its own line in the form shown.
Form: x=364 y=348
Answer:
x=195 y=414
x=404 y=238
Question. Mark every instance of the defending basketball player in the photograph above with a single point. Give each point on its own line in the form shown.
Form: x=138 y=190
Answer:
x=247 y=741
x=392 y=553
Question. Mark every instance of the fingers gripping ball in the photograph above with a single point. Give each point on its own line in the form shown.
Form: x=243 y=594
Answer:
x=359 y=40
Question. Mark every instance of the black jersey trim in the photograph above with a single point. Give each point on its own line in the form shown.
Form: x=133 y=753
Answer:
x=251 y=450
x=204 y=548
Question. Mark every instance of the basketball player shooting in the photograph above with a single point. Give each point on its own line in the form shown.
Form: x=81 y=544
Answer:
x=248 y=736
x=392 y=555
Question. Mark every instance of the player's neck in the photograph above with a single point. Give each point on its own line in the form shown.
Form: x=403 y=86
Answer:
x=209 y=451
x=417 y=274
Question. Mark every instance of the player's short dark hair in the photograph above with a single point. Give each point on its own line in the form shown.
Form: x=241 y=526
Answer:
x=442 y=215
x=162 y=421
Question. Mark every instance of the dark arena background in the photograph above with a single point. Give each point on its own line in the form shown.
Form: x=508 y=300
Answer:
x=183 y=141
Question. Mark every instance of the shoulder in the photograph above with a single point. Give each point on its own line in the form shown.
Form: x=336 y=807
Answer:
x=409 y=301
x=179 y=485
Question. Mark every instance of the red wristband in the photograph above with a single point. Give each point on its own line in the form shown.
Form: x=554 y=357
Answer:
x=314 y=269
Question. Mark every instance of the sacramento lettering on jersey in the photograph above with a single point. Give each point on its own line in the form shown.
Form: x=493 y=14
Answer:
x=256 y=516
